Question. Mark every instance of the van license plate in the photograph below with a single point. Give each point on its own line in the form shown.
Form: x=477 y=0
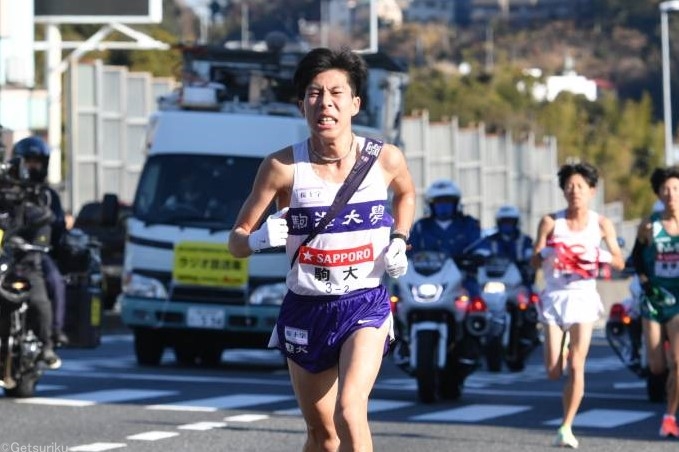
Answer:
x=205 y=318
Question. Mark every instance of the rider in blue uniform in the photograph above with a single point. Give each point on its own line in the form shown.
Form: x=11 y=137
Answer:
x=509 y=242
x=447 y=228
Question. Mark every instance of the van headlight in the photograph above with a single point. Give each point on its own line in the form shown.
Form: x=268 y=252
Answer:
x=135 y=285
x=269 y=294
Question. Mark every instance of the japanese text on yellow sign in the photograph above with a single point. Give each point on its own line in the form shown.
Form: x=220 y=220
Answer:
x=208 y=264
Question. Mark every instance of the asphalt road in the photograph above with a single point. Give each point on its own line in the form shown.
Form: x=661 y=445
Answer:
x=101 y=400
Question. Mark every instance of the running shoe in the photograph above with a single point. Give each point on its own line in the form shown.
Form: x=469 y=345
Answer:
x=669 y=427
x=565 y=438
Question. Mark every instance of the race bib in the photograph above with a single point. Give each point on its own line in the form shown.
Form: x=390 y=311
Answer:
x=667 y=269
x=334 y=272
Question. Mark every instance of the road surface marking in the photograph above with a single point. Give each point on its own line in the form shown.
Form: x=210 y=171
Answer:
x=472 y=413
x=606 y=418
x=152 y=436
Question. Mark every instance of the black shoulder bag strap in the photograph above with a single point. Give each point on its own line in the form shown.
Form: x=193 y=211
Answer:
x=369 y=153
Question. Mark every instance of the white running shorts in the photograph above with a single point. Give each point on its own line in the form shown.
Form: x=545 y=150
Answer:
x=567 y=307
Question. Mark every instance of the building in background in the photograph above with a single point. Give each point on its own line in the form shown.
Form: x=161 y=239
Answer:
x=466 y=12
x=23 y=107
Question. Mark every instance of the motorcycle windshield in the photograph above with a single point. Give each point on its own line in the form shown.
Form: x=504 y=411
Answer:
x=497 y=266
x=428 y=262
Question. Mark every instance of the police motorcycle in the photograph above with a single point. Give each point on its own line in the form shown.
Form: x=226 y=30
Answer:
x=504 y=278
x=439 y=328
x=20 y=348
x=513 y=333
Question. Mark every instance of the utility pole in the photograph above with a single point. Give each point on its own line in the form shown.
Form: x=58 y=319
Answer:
x=665 y=9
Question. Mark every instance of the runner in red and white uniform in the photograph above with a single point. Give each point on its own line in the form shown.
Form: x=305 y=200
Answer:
x=567 y=249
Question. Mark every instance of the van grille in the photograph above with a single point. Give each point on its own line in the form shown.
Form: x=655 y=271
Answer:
x=206 y=294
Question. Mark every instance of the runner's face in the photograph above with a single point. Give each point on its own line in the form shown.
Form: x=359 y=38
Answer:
x=669 y=194
x=329 y=103
x=577 y=192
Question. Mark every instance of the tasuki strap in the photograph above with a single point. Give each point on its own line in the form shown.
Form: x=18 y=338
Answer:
x=371 y=150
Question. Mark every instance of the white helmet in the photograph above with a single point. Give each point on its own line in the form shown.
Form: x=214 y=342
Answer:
x=442 y=188
x=508 y=229
x=507 y=212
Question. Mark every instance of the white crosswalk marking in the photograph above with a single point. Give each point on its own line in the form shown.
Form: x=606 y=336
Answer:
x=152 y=436
x=606 y=418
x=246 y=418
x=119 y=395
x=374 y=406
x=54 y=401
x=472 y=413
x=171 y=407
x=231 y=401
x=97 y=447
x=202 y=426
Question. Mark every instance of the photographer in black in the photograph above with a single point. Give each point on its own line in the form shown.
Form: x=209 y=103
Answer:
x=28 y=205
x=36 y=155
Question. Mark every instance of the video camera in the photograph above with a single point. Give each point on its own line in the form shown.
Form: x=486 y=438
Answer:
x=16 y=187
x=23 y=202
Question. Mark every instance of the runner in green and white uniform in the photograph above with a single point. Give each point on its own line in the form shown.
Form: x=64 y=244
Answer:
x=661 y=258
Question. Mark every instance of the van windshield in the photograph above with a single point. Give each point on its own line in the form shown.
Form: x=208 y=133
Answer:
x=194 y=190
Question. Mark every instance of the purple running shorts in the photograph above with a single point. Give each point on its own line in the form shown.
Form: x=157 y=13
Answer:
x=311 y=329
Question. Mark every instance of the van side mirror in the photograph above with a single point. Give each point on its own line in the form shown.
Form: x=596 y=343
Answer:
x=109 y=210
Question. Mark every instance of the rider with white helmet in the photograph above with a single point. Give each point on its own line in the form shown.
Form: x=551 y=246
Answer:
x=447 y=228
x=508 y=241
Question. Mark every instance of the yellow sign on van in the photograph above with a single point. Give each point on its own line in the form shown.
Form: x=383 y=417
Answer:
x=208 y=264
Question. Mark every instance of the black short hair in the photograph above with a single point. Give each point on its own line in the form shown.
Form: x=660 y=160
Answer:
x=323 y=59
x=660 y=176
x=587 y=171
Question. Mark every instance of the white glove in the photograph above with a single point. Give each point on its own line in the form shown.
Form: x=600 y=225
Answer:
x=395 y=258
x=272 y=233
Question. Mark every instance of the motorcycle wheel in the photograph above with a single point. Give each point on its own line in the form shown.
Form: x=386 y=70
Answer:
x=515 y=365
x=426 y=372
x=655 y=387
x=494 y=354
x=24 y=388
x=451 y=387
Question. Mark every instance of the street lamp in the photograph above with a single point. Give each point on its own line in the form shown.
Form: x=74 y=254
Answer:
x=666 y=7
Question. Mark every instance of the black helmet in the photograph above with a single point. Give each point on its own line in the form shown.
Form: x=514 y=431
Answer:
x=34 y=147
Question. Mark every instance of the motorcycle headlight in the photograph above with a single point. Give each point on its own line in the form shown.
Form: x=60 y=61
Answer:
x=494 y=287
x=269 y=294
x=426 y=292
x=136 y=285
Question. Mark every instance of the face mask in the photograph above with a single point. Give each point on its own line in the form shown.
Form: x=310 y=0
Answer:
x=507 y=229
x=443 y=210
x=37 y=174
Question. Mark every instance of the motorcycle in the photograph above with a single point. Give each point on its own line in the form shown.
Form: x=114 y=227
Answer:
x=440 y=329
x=625 y=336
x=513 y=333
x=20 y=348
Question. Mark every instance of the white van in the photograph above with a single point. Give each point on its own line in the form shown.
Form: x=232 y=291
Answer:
x=181 y=288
